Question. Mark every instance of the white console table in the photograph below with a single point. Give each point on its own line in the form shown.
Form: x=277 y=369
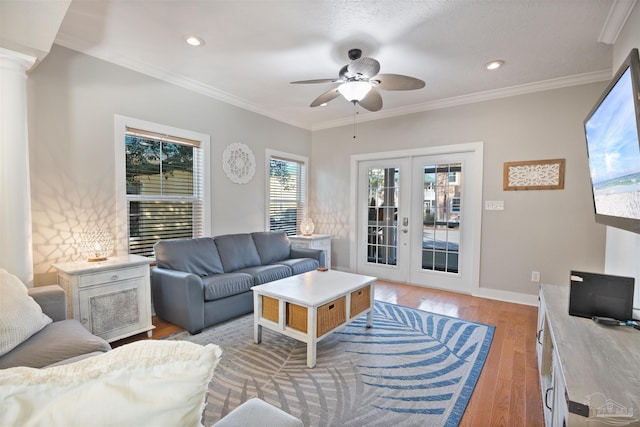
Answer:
x=314 y=241
x=589 y=373
x=112 y=298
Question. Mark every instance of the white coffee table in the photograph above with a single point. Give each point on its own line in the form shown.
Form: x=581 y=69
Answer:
x=310 y=306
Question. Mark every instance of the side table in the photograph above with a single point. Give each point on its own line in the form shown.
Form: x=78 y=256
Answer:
x=112 y=298
x=314 y=241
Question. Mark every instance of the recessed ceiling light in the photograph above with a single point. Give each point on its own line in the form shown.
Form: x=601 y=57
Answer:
x=194 y=40
x=494 y=65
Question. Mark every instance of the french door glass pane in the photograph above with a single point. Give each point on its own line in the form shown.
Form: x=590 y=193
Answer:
x=382 y=242
x=441 y=217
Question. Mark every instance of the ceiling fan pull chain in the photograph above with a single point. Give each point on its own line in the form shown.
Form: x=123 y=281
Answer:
x=355 y=111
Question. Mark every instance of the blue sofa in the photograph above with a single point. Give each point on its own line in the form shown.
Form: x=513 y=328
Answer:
x=204 y=281
x=60 y=342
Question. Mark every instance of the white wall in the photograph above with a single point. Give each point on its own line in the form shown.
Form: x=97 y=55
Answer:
x=72 y=102
x=623 y=247
x=550 y=231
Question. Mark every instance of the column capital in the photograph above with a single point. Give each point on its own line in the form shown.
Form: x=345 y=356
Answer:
x=21 y=59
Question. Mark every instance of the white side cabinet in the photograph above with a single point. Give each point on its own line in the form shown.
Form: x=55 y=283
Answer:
x=589 y=373
x=112 y=298
x=315 y=241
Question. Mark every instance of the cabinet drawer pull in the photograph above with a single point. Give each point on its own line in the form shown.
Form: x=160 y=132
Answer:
x=114 y=277
x=332 y=306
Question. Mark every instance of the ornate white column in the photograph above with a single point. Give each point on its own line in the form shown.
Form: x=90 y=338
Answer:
x=16 y=250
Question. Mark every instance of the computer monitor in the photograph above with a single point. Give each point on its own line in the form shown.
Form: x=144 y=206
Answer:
x=601 y=295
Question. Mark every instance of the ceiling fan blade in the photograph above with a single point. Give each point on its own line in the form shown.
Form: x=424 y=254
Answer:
x=367 y=67
x=315 y=81
x=397 y=82
x=325 y=97
x=372 y=102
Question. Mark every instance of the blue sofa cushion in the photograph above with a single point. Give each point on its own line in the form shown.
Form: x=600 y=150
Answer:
x=300 y=265
x=272 y=246
x=197 y=256
x=237 y=251
x=56 y=342
x=225 y=285
x=267 y=273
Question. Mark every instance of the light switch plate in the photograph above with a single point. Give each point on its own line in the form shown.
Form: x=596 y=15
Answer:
x=494 y=205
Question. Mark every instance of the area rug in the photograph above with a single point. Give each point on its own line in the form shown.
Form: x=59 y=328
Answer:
x=412 y=368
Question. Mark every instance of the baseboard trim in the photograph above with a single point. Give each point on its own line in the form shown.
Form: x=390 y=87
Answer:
x=495 y=294
x=507 y=296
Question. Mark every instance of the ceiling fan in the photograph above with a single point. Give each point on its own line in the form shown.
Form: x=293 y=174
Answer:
x=359 y=81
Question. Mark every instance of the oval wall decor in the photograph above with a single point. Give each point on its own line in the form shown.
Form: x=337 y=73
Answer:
x=238 y=163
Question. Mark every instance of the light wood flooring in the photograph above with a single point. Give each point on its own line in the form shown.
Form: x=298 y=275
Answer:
x=508 y=390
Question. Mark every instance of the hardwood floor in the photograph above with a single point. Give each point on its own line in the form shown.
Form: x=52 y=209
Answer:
x=508 y=390
x=162 y=330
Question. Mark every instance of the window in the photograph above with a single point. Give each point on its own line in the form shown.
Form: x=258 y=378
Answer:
x=286 y=198
x=162 y=184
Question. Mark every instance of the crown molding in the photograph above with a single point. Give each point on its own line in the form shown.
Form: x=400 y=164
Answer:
x=575 y=80
x=82 y=46
x=195 y=86
x=617 y=17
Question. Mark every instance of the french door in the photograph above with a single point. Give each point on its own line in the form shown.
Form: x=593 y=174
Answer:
x=418 y=219
x=384 y=205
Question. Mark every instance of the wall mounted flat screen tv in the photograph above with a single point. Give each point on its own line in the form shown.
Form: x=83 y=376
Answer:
x=612 y=131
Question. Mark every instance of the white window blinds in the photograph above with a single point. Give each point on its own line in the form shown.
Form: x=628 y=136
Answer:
x=287 y=198
x=164 y=182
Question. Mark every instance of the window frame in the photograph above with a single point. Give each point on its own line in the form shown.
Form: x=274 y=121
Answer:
x=121 y=123
x=281 y=155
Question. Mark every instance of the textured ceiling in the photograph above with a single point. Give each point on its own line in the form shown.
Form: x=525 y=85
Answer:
x=253 y=49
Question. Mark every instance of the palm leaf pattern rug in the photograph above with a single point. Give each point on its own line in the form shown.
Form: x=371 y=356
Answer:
x=412 y=368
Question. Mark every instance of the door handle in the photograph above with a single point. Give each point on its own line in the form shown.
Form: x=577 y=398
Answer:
x=546 y=398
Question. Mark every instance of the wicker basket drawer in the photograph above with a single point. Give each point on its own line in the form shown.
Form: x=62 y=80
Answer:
x=360 y=300
x=270 y=308
x=297 y=317
x=331 y=315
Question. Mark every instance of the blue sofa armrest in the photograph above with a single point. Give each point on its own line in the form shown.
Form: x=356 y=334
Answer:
x=317 y=254
x=178 y=297
x=52 y=299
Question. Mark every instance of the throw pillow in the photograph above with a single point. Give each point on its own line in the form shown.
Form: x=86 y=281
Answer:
x=145 y=383
x=20 y=315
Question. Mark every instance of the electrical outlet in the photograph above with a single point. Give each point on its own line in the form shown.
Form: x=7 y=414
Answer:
x=535 y=276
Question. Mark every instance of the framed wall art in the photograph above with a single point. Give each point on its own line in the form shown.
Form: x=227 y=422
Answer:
x=534 y=175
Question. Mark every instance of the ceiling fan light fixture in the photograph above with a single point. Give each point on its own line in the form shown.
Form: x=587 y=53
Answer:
x=354 y=91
